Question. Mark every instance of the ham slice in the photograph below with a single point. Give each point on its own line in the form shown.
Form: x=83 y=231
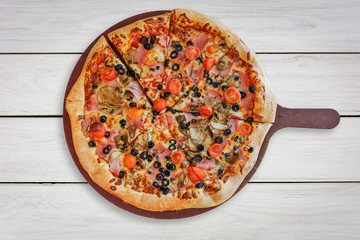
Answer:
x=101 y=146
x=161 y=151
x=200 y=41
x=112 y=83
x=233 y=123
x=244 y=80
x=158 y=70
x=135 y=88
x=115 y=166
x=206 y=164
x=217 y=95
x=163 y=41
x=248 y=101
x=195 y=73
x=140 y=55
x=166 y=120
x=91 y=104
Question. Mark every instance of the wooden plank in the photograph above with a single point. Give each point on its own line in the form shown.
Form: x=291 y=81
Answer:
x=299 y=80
x=268 y=26
x=34 y=150
x=260 y=211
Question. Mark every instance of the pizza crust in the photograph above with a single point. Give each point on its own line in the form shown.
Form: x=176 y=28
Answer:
x=215 y=25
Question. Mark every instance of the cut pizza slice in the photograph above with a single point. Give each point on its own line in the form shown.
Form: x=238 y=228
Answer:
x=194 y=37
x=143 y=46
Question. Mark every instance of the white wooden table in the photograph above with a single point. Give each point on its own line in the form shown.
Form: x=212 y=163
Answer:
x=308 y=186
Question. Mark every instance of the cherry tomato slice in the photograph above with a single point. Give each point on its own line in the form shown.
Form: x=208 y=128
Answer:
x=195 y=174
x=177 y=157
x=192 y=53
x=206 y=111
x=215 y=150
x=232 y=95
x=244 y=128
x=129 y=161
x=209 y=63
x=212 y=49
x=160 y=104
x=108 y=74
x=174 y=86
x=134 y=113
x=98 y=130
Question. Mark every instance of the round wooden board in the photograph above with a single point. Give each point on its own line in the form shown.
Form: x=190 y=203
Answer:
x=308 y=118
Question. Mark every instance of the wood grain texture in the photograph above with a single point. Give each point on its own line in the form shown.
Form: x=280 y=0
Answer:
x=299 y=80
x=267 y=26
x=292 y=155
x=260 y=211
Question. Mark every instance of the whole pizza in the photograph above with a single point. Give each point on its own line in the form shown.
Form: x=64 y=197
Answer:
x=173 y=115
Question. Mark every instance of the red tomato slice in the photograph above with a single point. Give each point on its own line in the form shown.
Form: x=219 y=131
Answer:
x=98 y=130
x=174 y=86
x=215 y=150
x=160 y=104
x=206 y=111
x=177 y=157
x=244 y=128
x=232 y=95
x=195 y=174
x=134 y=113
x=209 y=63
x=192 y=53
x=108 y=74
x=129 y=161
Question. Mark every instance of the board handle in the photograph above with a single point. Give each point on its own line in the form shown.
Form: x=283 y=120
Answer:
x=306 y=118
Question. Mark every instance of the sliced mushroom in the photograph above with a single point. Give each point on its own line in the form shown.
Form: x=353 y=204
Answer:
x=122 y=138
x=222 y=65
x=209 y=101
x=180 y=118
x=233 y=81
x=130 y=55
x=110 y=95
x=114 y=155
x=234 y=156
x=195 y=107
x=132 y=130
x=123 y=80
x=197 y=135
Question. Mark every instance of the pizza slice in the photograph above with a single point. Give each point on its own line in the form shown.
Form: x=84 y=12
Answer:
x=193 y=38
x=143 y=46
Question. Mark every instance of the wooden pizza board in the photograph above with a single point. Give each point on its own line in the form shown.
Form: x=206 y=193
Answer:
x=285 y=117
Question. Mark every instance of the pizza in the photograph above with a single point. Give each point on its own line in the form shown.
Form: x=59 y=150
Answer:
x=172 y=117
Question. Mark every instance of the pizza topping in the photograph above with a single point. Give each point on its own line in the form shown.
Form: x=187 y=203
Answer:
x=103 y=119
x=195 y=174
x=178 y=47
x=206 y=164
x=192 y=53
x=252 y=88
x=160 y=104
x=152 y=39
x=206 y=111
x=212 y=49
x=222 y=65
x=174 y=86
x=144 y=40
x=200 y=40
x=250 y=149
x=129 y=161
x=232 y=95
x=178 y=157
x=97 y=130
x=215 y=150
x=108 y=74
x=244 y=128
x=174 y=54
x=219 y=139
x=134 y=113
x=189 y=43
x=135 y=88
x=209 y=62
x=175 y=67
x=92 y=144
x=140 y=55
